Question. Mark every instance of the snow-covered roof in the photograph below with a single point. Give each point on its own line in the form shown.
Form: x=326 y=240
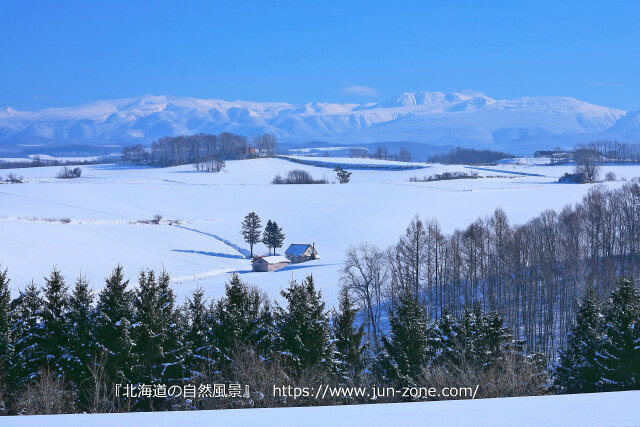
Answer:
x=274 y=259
x=297 y=249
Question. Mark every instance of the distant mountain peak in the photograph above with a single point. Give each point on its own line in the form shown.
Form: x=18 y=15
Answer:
x=462 y=117
x=427 y=98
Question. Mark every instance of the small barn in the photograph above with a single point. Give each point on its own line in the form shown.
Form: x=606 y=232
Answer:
x=301 y=252
x=269 y=263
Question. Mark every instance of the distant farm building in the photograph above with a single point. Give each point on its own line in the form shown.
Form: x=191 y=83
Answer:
x=298 y=252
x=269 y=263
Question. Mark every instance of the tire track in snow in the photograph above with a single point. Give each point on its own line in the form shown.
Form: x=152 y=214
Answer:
x=419 y=185
x=245 y=253
x=42 y=199
x=200 y=276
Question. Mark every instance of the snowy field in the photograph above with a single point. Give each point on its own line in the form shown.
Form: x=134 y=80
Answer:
x=583 y=410
x=105 y=206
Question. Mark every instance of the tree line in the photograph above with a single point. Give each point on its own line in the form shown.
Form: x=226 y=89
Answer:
x=37 y=162
x=381 y=153
x=200 y=149
x=469 y=156
x=607 y=151
x=66 y=350
x=532 y=274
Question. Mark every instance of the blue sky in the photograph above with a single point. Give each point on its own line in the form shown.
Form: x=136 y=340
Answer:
x=66 y=53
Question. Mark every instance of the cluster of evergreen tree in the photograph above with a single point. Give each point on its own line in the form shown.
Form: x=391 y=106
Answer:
x=140 y=335
x=603 y=349
x=272 y=236
x=475 y=342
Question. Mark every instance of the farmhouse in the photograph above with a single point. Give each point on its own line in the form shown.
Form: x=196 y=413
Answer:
x=301 y=252
x=269 y=263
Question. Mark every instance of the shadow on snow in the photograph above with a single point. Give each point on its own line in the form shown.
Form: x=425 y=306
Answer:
x=216 y=254
x=244 y=252
x=288 y=268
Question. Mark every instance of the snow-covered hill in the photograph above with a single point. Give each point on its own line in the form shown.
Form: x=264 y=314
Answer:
x=465 y=117
x=596 y=409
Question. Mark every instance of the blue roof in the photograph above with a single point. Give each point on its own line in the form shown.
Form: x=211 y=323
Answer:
x=296 y=249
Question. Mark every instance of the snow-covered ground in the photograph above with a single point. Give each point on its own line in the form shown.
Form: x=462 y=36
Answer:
x=107 y=203
x=597 y=409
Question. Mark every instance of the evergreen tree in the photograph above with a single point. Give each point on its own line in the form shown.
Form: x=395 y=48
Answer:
x=442 y=339
x=272 y=236
x=348 y=338
x=406 y=346
x=6 y=345
x=199 y=354
x=475 y=340
x=236 y=317
x=147 y=330
x=343 y=175
x=113 y=313
x=82 y=344
x=267 y=337
x=118 y=367
x=578 y=370
x=251 y=230
x=466 y=342
x=174 y=327
x=620 y=357
x=278 y=237
x=27 y=334
x=304 y=327
x=267 y=235
x=55 y=324
x=490 y=337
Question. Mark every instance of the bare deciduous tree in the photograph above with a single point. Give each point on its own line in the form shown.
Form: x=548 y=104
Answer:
x=587 y=169
x=532 y=274
x=365 y=274
x=48 y=395
x=13 y=178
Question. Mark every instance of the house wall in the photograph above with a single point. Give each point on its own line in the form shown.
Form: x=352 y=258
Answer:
x=264 y=267
x=308 y=255
x=298 y=259
x=277 y=266
x=260 y=266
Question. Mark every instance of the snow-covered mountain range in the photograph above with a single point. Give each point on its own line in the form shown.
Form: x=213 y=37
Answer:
x=457 y=118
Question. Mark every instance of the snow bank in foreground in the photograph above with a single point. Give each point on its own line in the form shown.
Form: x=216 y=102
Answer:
x=598 y=409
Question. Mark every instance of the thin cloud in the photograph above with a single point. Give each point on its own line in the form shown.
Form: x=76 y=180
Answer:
x=359 y=90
